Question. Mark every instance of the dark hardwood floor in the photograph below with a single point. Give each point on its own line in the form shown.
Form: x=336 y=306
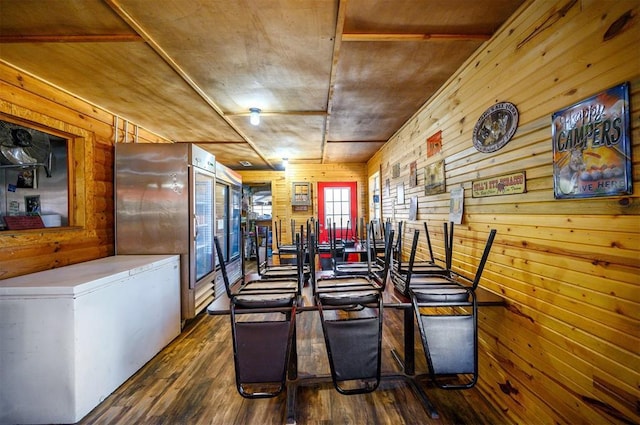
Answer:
x=192 y=382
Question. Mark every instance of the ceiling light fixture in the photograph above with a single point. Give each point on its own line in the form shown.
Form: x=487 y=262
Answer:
x=245 y=163
x=254 y=116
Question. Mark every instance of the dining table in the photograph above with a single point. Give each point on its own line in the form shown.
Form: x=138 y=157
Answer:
x=392 y=299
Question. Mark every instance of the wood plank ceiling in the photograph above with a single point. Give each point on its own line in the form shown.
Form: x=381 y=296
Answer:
x=334 y=79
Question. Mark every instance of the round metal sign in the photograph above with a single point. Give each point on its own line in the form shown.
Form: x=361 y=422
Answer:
x=495 y=127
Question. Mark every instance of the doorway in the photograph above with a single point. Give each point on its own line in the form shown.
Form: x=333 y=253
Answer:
x=257 y=217
x=337 y=204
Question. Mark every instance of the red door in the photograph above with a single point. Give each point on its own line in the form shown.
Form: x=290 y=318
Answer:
x=337 y=203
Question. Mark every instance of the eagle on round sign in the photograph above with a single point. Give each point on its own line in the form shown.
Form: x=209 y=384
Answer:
x=495 y=127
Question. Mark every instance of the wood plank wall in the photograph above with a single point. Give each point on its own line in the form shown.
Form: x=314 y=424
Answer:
x=91 y=132
x=565 y=350
x=281 y=184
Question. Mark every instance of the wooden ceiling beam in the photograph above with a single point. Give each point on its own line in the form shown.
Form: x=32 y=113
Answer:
x=413 y=37
x=74 y=38
x=356 y=141
x=278 y=113
x=337 y=43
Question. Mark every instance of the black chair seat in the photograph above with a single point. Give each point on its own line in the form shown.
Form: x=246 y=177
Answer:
x=275 y=300
x=276 y=274
x=262 y=347
x=354 y=351
x=350 y=296
x=345 y=283
x=285 y=268
x=358 y=268
x=341 y=282
x=452 y=344
x=261 y=353
x=425 y=268
x=278 y=285
x=449 y=335
x=351 y=314
x=429 y=280
x=441 y=294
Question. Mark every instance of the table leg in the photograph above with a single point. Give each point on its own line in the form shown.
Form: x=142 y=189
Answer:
x=292 y=375
x=291 y=403
x=409 y=343
x=292 y=367
x=423 y=398
x=410 y=364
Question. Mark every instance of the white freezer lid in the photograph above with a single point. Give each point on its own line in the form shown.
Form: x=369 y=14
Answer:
x=78 y=279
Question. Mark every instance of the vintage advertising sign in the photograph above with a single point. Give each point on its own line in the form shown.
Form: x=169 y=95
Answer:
x=495 y=127
x=434 y=144
x=456 y=204
x=395 y=172
x=413 y=174
x=592 y=146
x=434 y=178
x=507 y=184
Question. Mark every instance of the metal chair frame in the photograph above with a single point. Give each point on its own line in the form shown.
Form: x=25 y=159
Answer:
x=351 y=313
x=450 y=340
x=258 y=345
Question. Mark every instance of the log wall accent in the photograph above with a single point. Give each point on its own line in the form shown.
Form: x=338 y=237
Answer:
x=565 y=350
x=281 y=184
x=28 y=100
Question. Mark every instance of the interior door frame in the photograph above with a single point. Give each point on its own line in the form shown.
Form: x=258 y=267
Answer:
x=353 y=186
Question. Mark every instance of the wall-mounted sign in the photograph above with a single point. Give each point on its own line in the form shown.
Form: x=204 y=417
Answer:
x=413 y=208
x=395 y=171
x=434 y=178
x=456 y=204
x=434 y=144
x=507 y=184
x=413 y=174
x=592 y=146
x=495 y=127
x=400 y=193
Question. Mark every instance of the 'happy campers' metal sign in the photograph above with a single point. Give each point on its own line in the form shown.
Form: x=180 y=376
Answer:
x=592 y=146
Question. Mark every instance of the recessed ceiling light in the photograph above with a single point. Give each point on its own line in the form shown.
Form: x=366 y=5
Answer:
x=254 y=116
x=246 y=163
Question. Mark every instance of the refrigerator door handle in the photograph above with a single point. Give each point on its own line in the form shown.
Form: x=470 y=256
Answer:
x=195 y=227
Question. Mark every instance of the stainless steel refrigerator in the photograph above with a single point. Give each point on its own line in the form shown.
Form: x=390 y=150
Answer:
x=165 y=205
x=228 y=199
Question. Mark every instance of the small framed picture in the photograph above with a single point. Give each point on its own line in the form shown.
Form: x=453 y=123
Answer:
x=434 y=178
x=27 y=179
x=413 y=208
x=456 y=205
x=32 y=205
x=400 y=193
x=395 y=171
x=434 y=144
x=413 y=174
